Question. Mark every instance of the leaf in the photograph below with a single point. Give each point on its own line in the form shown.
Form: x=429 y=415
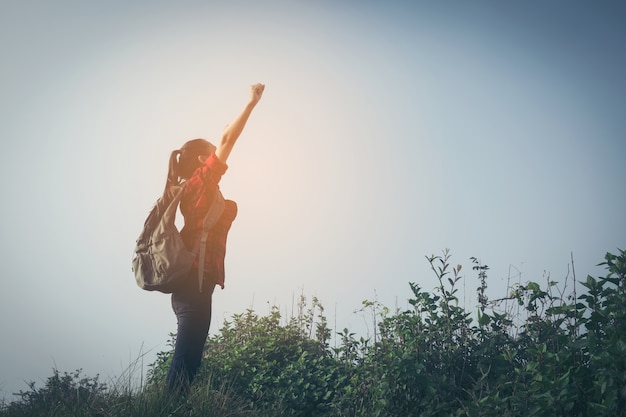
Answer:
x=483 y=319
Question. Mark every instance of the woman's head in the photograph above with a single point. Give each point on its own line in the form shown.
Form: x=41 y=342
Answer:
x=184 y=161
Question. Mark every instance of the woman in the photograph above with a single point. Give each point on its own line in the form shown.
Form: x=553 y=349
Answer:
x=201 y=165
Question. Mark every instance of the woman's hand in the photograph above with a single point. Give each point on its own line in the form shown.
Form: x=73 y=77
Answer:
x=256 y=92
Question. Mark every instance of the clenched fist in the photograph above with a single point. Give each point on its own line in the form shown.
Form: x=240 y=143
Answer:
x=256 y=92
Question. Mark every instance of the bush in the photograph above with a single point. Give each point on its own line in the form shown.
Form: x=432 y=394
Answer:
x=67 y=394
x=558 y=355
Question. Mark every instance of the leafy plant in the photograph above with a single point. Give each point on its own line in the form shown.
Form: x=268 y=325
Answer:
x=555 y=354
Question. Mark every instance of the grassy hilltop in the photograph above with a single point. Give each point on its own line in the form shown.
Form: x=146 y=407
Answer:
x=542 y=350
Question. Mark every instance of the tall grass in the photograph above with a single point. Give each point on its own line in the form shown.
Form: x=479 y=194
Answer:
x=72 y=394
x=541 y=350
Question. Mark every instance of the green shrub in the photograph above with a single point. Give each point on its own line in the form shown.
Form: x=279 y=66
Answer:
x=67 y=394
x=286 y=368
x=553 y=354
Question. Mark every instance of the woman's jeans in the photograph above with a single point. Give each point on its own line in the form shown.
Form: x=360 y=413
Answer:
x=193 y=314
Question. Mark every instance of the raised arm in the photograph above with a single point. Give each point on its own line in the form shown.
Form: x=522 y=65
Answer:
x=233 y=131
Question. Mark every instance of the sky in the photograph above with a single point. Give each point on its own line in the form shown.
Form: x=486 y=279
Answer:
x=388 y=132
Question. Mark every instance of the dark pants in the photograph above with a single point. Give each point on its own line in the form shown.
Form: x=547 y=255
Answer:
x=193 y=314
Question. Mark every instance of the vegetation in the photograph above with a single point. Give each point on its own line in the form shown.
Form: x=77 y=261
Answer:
x=536 y=352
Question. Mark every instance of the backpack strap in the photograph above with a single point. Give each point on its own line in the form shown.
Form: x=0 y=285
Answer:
x=215 y=212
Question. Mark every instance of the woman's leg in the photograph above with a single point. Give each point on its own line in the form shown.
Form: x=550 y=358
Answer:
x=193 y=313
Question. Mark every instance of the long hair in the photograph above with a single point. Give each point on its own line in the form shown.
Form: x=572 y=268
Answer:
x=184 y=161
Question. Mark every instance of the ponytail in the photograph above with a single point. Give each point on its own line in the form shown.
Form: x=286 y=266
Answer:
x=173 y=177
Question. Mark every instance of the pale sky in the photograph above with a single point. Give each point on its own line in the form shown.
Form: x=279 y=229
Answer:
x=388 y=131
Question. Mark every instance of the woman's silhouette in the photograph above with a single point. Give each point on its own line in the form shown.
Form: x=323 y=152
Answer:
x=201 y=165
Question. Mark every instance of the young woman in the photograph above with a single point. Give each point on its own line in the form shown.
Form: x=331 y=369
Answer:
x=201 y=165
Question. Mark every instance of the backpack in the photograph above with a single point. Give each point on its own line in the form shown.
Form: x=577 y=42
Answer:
x=161 y=260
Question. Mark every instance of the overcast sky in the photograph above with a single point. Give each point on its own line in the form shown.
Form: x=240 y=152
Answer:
x=388 y=131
